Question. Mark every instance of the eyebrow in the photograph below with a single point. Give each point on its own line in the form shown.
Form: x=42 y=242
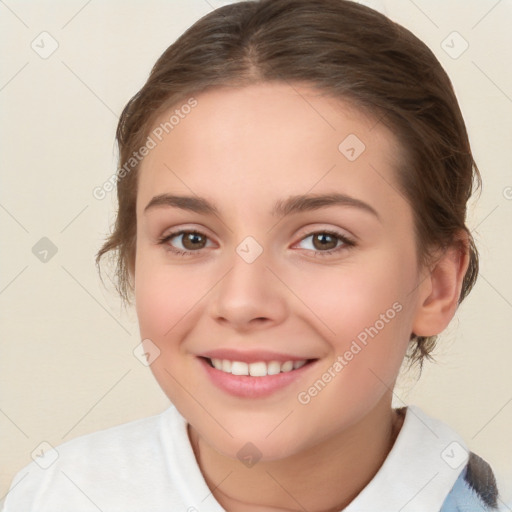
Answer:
x=293 y=204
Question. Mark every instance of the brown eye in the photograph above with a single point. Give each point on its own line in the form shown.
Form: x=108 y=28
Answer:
x=324 y=241
x=192 y=240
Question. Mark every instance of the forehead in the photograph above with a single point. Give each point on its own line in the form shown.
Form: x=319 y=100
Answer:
x=254 y=145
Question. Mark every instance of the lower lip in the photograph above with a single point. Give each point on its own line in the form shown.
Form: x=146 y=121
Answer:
x=245 y=386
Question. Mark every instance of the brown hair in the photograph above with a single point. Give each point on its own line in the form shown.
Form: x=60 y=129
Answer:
x=347 y=51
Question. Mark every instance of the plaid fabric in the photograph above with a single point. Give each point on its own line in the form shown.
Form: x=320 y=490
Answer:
x=475 y=490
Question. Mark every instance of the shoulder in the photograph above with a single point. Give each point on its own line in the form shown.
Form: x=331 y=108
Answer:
x=119 y=459
x=475 y=488
x=101 y=446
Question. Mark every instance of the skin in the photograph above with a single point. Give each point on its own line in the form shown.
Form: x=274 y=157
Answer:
x=244 y=149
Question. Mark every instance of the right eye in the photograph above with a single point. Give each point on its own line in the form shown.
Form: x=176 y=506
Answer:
x=192 y=241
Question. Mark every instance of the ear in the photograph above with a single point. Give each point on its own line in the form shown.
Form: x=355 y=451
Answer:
x=440 y=289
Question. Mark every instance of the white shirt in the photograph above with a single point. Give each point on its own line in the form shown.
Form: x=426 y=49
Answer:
x=149 y=465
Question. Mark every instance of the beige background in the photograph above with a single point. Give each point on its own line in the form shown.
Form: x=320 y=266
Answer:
x=67 y=366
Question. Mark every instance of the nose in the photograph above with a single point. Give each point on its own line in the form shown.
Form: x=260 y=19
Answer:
x=249 y=296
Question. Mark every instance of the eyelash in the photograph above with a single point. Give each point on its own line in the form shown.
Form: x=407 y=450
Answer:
x=347 y=243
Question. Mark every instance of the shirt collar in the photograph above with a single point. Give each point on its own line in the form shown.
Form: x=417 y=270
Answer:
x=419 y=471
x=416 y=476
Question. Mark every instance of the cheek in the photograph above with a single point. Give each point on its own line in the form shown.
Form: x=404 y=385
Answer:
x=364 y=313
x=156 y=301
x=349 y=298
x=370 y=323
x=153 y=302
x=166 y=297
x=164 y=293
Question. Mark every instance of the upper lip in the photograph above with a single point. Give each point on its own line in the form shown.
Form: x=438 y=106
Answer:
x=252 y=356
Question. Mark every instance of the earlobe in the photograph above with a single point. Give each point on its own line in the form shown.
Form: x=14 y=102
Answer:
x=440 y=292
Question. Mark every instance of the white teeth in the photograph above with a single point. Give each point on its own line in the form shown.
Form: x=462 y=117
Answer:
x=287 y=367
x=273 y=368
x=259 y=369
x=239 y=368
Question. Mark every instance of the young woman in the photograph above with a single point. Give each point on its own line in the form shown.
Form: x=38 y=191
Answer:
x=292 y=190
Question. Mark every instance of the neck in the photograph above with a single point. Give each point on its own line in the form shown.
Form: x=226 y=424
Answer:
x=324 y=478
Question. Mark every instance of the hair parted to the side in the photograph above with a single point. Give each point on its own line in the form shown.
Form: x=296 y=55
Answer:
x=347 y=51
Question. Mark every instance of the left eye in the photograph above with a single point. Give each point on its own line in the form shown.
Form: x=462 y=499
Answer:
x=326 y=242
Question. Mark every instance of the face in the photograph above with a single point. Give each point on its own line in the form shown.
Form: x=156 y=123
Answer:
x=314 y=297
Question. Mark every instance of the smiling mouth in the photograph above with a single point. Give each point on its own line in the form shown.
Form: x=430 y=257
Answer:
x=256 y=369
